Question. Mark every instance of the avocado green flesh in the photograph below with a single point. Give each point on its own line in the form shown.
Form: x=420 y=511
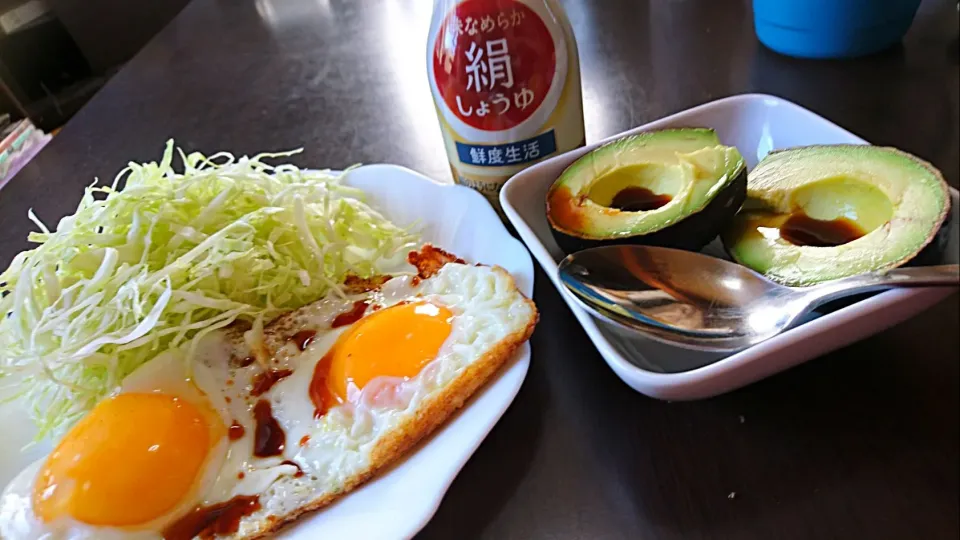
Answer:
x=899 y=201
x=690 y=166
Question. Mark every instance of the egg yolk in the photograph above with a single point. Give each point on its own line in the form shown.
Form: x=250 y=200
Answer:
x=394 y=342
x=132 y=459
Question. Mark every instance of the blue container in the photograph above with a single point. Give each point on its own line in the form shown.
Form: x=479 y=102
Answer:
x=832 y=28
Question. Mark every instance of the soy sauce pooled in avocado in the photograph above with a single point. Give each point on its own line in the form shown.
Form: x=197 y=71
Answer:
x=799 y=229
x=638 y=199
x=803 y=230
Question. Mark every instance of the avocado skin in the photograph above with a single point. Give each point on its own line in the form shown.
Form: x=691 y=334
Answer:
x=691 y=233
x=933 y=252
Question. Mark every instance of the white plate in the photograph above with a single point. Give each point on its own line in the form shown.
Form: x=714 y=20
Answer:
x=401 y=500
x=756 y=124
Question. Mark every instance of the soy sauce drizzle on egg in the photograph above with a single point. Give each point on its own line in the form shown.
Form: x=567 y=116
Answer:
x=238 y=362
x=214 y=520
x=319 y=392
x=299 y=472
x=269 y=438
x=235 y=431
x=351 y=316
x=264 y=381
x=303 y=339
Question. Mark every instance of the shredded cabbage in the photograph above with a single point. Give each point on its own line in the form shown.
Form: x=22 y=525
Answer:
x=170 y=257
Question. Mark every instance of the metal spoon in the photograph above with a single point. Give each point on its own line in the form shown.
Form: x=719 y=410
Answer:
x=701 y=302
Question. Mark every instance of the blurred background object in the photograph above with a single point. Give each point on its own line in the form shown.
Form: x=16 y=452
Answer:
x=110 y=32
x=832 y=28
x=55 y=54
x=44 y=74
x=19 y=141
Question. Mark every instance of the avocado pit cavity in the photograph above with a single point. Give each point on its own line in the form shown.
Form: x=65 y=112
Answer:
x=828 y=213
x=642 y=187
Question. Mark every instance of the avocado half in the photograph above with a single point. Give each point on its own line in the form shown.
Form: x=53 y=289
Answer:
x=819 y=213
x=674 y=188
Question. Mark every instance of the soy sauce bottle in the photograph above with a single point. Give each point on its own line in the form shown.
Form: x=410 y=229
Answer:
x=505 y=79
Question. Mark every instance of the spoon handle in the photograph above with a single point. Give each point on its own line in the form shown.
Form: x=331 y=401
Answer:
x=920 y=276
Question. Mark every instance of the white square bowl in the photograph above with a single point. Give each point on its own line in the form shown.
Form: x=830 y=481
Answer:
x=755 y=124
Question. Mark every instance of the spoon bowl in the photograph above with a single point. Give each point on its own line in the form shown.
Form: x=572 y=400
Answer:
x=705 y=303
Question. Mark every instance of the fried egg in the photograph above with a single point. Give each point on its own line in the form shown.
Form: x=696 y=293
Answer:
x=137 y=462
x=263 y=425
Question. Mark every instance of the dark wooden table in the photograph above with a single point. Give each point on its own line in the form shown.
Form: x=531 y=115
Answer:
x=859 y=444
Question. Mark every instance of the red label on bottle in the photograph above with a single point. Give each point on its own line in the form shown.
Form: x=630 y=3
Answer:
x=494 y=62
